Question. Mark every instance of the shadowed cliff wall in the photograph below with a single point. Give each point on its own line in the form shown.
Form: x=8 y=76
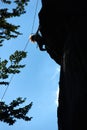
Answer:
x=63 y=25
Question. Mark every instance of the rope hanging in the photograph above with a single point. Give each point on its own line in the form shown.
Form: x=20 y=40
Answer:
x=23 y=49
x=32 y=25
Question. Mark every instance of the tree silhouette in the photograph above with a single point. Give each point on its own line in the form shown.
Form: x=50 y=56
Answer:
x=8 y=30
x=9 y=113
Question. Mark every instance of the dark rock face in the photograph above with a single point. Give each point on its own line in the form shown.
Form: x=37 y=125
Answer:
x=63 y=25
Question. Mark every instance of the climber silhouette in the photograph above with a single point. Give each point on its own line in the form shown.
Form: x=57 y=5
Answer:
x=39 y=39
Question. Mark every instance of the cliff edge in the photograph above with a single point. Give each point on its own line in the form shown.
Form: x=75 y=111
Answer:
x=63 y=26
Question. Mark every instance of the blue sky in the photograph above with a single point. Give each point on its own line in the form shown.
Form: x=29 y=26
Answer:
x=38 y=81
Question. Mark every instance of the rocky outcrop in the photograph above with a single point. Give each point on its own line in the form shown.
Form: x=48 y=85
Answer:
x=63 y=26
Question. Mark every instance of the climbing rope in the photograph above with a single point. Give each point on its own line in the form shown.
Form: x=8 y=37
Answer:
x=32 y=24
x=23 y=49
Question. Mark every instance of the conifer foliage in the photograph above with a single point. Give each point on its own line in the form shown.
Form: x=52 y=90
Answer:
x=10 y=113
x=8 y=30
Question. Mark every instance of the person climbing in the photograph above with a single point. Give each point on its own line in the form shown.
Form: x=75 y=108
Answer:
x=39 y=39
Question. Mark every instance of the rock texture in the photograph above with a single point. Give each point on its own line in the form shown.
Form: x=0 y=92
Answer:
x=63 y=25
